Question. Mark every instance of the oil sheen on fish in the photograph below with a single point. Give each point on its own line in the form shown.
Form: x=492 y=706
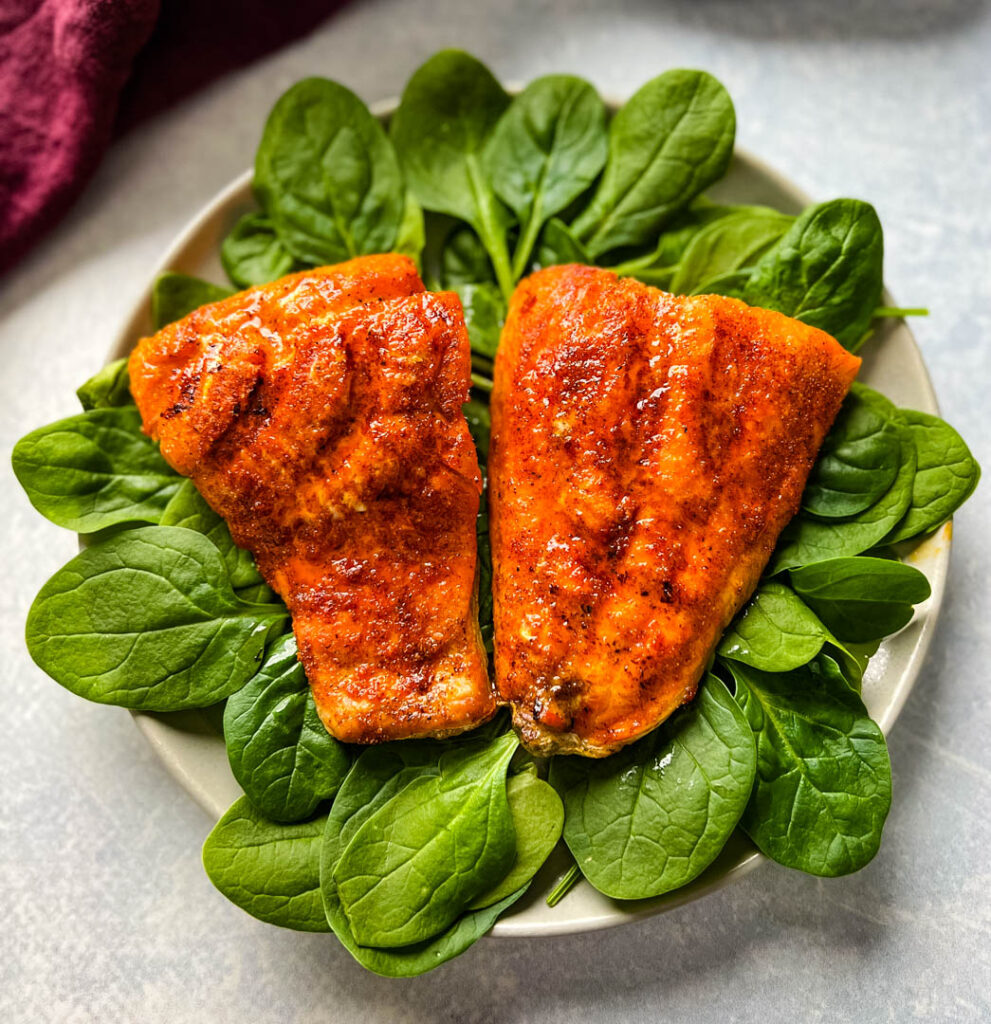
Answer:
x=321 y=416
x=647 y=450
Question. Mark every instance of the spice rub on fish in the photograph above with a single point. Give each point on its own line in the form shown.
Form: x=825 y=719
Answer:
x=320 y=415
x=647 y=450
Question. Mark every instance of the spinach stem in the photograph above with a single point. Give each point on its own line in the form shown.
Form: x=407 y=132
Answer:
x=480 y=382
x=898 y=311
x=524 y=247
x=565 y=884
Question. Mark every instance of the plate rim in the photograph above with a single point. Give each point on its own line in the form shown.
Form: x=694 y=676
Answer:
x=936 y=547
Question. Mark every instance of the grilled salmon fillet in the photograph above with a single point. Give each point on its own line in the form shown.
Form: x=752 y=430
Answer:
x=647 y=449
x=320 y=415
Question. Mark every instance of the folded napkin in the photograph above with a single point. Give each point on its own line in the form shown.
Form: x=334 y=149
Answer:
x=66 y=66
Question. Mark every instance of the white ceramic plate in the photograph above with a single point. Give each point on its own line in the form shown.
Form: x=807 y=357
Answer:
x=191 y=744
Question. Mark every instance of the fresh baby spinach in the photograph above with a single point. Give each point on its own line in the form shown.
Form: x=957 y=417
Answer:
x=464 y=260
x=107 y=388
x=725 y=246
x=327 y=177
x=860 y=599
x=268 y=869
x=279 y=750
x=650 y=818
x=188 y=508
x=176 y=295
x=448 y=111
x=538 y=817
x=945 y=477
x=545 y=151
x=776 y=631
x=823 y=785
x=253 y=253
x=558 y=245
x=376 y=777
x=95 y=470
x=417 y=861
x=858 y=460
x=485 y=312
x=826 y=271
x=671 y=139
x=147 y=619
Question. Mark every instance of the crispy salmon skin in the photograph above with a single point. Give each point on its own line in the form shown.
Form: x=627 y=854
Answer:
x=647 y=450
x=321 y=416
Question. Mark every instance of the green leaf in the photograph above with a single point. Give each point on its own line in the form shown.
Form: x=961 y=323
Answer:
x=177 y=295
x=147 y=619
x=377 y=775
x=272 y=871
x=806 y=540
x=279 y=750
x=188 y=508
x=858 y=461
x=107 y=388
x=945 y=477
x=545 y=151
x=725 y=245
x=558 y=245
x=861 y=599
x=326 y=175
x=480 y=424
x=464 y=260
x=538 y=817
x=94 y=470
x=670 y=141
x=412 y=234
x=652 y=817
x=826 y=271
x=423 y=856
x=253 y=253
x=823 y=785
x=485 y=313
x=776 y=631
x=447 y=113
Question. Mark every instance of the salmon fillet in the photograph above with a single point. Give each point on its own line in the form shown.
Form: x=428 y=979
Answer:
x=320 y=415
x=647 y=450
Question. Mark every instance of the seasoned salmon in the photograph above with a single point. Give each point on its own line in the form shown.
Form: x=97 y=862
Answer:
x=647 y=450
x=321 y=416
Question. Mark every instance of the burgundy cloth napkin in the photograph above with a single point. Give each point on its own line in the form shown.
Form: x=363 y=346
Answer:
x=66 y=66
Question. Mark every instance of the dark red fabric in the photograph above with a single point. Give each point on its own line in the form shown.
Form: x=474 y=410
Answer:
x=64 y=64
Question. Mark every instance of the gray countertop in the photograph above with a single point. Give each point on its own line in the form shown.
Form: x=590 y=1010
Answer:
x=107 y=914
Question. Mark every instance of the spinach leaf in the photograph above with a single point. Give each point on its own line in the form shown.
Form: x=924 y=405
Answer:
x=731 y=285
x=671 y=140
x=188 y=508
x=545 y=150
x=806 y=540
x=485 y=313
x=177 y=295
x=538 y=817
x=147 y=619
x=417 y=861
x=485 y=600
x=95 y=469
x=279 y=750
x=861 y=599
x=464 y=259
x=558 y=245
x=826 y=271
x=650 y=818
x=272 y=871
x=376 y=776
x=326 y=175
x=412 y=234
x=107 y=388
x=480 y=424
x=823 y=785
x=447 y=113
x=776 y=631
x=658 y=264
x=945 y=478
x=253 y=253
x=726 y=245
x=858 y=461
